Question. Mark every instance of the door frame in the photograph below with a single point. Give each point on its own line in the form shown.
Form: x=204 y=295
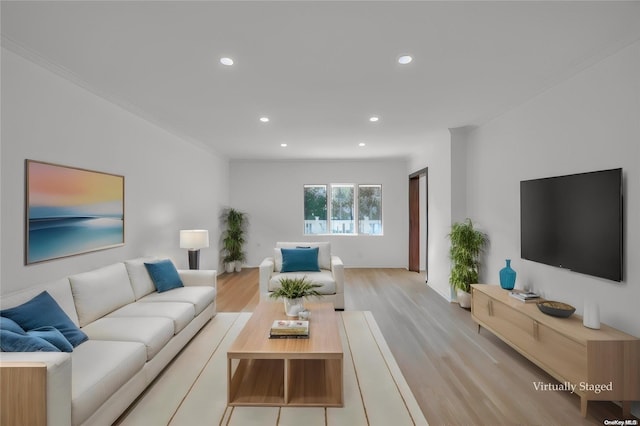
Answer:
x=414 y=219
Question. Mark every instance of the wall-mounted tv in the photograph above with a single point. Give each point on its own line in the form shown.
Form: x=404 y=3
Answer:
x=574 y=222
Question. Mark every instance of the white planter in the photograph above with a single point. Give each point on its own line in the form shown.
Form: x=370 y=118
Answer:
x=464 y=298
x=228 y=267
x=293 y=306
x=238 y=266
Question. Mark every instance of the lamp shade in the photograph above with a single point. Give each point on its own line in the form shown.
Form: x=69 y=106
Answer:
x=194 y=239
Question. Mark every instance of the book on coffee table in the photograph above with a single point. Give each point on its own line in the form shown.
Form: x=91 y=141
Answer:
x=282 y=329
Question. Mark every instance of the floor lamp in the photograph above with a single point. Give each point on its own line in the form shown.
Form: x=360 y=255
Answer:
x=193 y=240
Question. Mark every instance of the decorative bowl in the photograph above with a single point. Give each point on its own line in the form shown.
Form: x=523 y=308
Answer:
x=556 y=309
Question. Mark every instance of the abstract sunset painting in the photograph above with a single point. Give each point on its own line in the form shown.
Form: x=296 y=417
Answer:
x=71 y=211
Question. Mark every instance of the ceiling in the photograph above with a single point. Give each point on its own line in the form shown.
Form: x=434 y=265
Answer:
x=318 y=70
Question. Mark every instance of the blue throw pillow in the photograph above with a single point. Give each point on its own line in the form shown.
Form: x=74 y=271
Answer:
x=53 y=336
x=43 y=311
x=300 y=260
x=16 y=342
x=10 y=325
x=164 y=275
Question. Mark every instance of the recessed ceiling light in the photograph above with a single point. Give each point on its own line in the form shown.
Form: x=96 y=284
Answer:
x=226 y=61
x=361 y=144
x=374 y=119
x=405 y=59
x=264 y=119
x=284 y=145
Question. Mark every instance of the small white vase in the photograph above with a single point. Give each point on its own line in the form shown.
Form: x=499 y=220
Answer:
x=293 y=306
x=238 y=266
x=591 y=315
x=228 y=267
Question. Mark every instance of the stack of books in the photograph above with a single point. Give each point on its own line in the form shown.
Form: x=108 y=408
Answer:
x=524 y=296
x=289 y=329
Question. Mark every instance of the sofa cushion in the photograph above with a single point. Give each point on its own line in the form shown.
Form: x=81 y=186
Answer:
x=324 y=278
x=164 y=275
x=98 y=370
x=98 y=292
x=199 y=296
x=178 y=312
x=139 y=276
x=153 y=332
x=43 y=311
x=300 y=259
x=324 y=253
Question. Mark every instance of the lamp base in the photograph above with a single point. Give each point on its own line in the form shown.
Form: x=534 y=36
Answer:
x=194 y=259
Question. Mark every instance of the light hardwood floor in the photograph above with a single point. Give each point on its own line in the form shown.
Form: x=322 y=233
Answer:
x=459 y=377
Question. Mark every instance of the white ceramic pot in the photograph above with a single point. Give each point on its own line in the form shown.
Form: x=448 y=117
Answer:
x=293 y=306
x=238 y=266
x=464 y=298
x=228 y=267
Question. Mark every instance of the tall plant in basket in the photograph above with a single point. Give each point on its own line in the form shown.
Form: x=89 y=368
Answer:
x=466 y=245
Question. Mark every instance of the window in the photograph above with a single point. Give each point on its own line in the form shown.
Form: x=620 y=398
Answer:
x=370 y=209
x=315 y=209
x=342 y=209
x=353 y=209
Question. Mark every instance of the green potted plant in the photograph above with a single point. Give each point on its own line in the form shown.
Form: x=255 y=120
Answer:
x=233 y=239
x=466 y=245
x=293 y=290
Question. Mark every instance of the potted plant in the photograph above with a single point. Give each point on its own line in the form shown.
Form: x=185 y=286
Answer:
x=233 y=239
x=466 y=245
x=293 y=290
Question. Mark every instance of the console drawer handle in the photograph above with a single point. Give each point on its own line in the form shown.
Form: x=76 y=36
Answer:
x=490 y=306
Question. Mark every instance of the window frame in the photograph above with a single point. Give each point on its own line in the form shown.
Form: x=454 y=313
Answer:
x=356 y=209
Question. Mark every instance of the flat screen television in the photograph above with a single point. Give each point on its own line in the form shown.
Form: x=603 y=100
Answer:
x=574 y=222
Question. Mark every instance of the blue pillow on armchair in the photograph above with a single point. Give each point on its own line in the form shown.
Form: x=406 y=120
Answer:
x=301 y=259
x=42 y=311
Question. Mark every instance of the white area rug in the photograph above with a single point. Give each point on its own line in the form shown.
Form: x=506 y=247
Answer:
x=192 y=391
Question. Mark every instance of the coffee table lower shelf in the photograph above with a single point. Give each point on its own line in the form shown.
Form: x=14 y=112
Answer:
x=285 y=382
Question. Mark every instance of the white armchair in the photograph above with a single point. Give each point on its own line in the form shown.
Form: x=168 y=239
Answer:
x=330 y=277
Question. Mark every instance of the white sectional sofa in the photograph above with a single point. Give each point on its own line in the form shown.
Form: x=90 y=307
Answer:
x=134 y=332
x=330 y=275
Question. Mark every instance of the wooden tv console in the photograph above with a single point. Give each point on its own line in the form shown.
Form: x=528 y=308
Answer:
x=563 y=347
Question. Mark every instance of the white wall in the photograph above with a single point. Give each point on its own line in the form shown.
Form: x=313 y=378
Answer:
x=271 y=192
x=589 y=122
x=170 y=184
x=436 y=155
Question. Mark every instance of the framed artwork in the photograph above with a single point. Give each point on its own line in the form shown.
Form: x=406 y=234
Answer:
x=71 y=211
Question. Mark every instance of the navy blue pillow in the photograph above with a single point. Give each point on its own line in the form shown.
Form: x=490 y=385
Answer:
x=10 y=325
x=16 y=342
x=300 y=259
x=53 y=336
x=164 y=275
x=43 y=311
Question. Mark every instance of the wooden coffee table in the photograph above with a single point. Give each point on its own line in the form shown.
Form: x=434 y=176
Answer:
x=287 y=372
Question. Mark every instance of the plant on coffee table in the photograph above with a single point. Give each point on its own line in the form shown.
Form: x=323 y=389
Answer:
x=293 y=290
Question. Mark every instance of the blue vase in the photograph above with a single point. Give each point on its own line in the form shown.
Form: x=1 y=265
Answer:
x=507 y=276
